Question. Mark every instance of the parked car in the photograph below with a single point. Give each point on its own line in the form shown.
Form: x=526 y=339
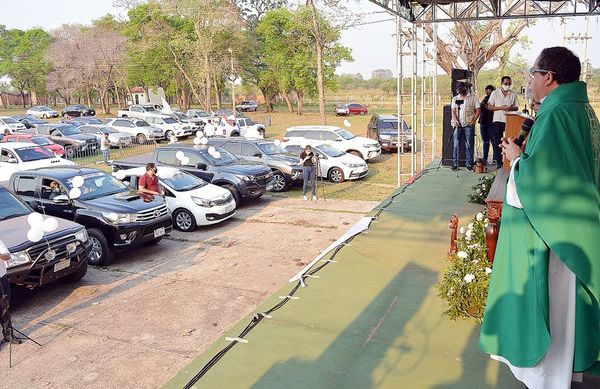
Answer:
x=338 y=137
x=39 y=140
x=171 y=126
x=115 y=217
x=61 y=255
x=116 y=138
x=222 y=112
x=350 y=109
x=81 y=120
x=192 y=201
x=77 y=110
x=384 y=129
x=285 y=166
x=247 y=105
x=334 y=164
x=138 y=111
x=198 y=114
x=70 y=137
x=139 y=129
x=29 y=121
x=10 y=124
x=15 y=157
x=42 y=112
x=250 y=129
x=195 y=123
x=245 y=180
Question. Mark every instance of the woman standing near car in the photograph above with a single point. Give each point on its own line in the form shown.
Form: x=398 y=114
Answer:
x=308 y=171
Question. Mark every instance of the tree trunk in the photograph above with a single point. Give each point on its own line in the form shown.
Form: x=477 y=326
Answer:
x=319 y=47
x=207 y=86
x=267 y=100
x=185 y=103
x=88 y=97
x=22 y=92
x=288 y=101
x=217 y=92
x=300 y=104
x=118 y=96
x=3 y=99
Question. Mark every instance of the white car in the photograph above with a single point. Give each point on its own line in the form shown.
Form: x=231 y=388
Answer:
x=334 y=164
x=250 y=129
x=42 y=112
x=18 y=156
x=170 y=125
x=198 y=114
x=10 y=124
x=247 y=105
x=338 y=137
x=139 y=129
x=192 y=201
x=230 y=127
x=116 y=138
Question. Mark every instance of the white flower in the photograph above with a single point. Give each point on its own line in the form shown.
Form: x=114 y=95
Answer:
x=462 y=230
x=468 y=278
x=462 y=254
x=486 y=220
x=488 y=270
x=469 y=234
x=470 y=226
x=479 y=216
x=475 y=261
x=486 y=224
x=474 y=246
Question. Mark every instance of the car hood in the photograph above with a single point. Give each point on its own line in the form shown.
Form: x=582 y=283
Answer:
x=118 y=136
x=84 y=137
x=209 y=192
x=350 y=158
x=246 y=167
x=124 y=202
x=362 y=140
x=286 y=158
x=14 y=232
x=393 y=132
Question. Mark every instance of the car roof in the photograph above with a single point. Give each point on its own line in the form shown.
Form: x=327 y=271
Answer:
x=23 y=135
x=388 y=117
x=62 y=172
x=314 y=128
x=17 y=145
x=141 y=170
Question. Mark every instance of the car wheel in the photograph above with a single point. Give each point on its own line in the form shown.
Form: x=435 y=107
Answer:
x=44 y=116
x=66 y=115
x=262 y=132
x=101 y=253
x=279 y=184
x=69 y=152
x=362 y=113
x=336 y=175
x=234 y=193
x=76 y=276
x=141 y=138
x=357 y=153
x=169 y=134
x=184 y=220
x=235 y=134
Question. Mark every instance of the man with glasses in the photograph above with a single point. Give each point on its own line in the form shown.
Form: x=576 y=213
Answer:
x=542 y=315
x=501 y=101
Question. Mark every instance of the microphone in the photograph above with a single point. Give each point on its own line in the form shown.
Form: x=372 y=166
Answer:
x=525 y=128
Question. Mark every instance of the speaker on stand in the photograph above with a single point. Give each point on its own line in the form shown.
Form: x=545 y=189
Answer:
x=448 y=143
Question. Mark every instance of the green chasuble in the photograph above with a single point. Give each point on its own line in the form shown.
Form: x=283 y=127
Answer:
x=558 y=183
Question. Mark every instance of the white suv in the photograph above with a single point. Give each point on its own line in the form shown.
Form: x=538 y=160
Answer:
x=15 y=157
x=247 y=105
x=139 y=129
x=337 y=137
x=170 y=125
x=10 y=124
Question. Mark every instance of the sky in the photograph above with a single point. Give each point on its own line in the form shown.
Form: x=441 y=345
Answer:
x=373 y=43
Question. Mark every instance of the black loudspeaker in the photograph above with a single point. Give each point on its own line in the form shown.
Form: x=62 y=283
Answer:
x=448 y=143
x=461 y=74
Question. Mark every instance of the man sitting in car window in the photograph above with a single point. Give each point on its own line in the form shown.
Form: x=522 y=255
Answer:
x=54 y=190
x=148 y=183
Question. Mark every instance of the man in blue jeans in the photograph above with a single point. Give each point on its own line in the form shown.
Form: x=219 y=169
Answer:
x=486 y=119
x=465 y=111
x=307 y=158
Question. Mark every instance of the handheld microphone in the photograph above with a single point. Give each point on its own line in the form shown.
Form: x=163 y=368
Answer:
x=525 y=128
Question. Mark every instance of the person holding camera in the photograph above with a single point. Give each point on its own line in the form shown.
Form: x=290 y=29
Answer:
x=307 y=159
x=501 y=101
x=465 y=112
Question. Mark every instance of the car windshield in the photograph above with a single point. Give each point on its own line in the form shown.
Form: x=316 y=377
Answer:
x=272 y=148
x=98 y=184
x=183 y=182
x=331 y=151
x=225 y=158
x=11 y=206
x=149 y=108
x=69 y=130
x=169 y=120
x=29 y=154
x=106 y=130
x=345 y=134
x=392 y=125
x=9 y=120
x=141 y=123
x=40 y=140
x=179 y=115
x=202 y=114
x=91 y=121
x=44 y=109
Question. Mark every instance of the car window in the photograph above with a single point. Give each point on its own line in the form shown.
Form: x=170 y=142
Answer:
x=232 y=147
x=345 y=134
x=142 y=123
x=166 y=157
x=194 y=159
x=40 y=140
x=136 y=109
x=150 y=120
x=34 y=153
x=11 y=206
x=294 y=149
x=168 y=120
x=313 y=135
x=122 y=123
x=13 y=139
x=87 y=129
x=5 y=155
x=98 y=184
x=47 y=192
x=249 y=150
x=295 y=134
x=25 y=186
x=327 y=135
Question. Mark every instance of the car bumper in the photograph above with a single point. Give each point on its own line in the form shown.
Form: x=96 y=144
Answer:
x=186 y=132
x=43 y=273
x=357 y=173
x=294 y=176
x=129 y=235
x=372 y=153
x=214 y=214
x=393 y=145
x=252 y=190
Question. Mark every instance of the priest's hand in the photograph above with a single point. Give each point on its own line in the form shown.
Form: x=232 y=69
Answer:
x=510 y=149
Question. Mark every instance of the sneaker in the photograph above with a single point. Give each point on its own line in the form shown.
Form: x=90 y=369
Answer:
x=305 y=198
x=470 y=168
x=314 y=198
x=454 y=167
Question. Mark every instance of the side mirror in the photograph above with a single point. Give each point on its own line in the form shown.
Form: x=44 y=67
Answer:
x=12 y=160
x=201 y=166
x=34 y=204
x=60 y=199
x=257 y=155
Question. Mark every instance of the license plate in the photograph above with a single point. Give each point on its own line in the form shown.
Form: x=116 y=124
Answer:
x=65 y=263
x=159 y=232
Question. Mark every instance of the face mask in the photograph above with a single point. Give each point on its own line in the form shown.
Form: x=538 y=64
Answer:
x=506 y=88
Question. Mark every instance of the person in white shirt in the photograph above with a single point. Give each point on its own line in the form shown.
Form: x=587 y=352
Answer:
x=465 y=111
x=7 y=333
x=105 y=147
x=501 y=101
x=209 y=129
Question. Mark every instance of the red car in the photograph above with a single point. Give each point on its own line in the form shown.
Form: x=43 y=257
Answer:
x=37 y=139
x=350 y=109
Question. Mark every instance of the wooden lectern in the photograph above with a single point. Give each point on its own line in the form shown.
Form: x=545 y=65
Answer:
x=514 y=120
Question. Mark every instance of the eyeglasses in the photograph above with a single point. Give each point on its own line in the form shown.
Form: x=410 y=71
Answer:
x=532 y=71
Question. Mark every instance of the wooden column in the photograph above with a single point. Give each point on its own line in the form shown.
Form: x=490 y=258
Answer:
x=494 y=202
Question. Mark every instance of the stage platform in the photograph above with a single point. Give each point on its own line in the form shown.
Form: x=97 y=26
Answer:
x=373 y=318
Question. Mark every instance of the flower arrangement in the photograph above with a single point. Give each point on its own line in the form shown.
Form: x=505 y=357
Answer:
x=481 y=190
x=466 y=280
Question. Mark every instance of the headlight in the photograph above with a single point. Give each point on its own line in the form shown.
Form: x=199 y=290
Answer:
x=370 y=145
x=117 y=218
x=82 y=235
x=245 y=178
x=386 y=137
x=79 y=141
x=202 y=202
x=350 y=164
x=18 y=258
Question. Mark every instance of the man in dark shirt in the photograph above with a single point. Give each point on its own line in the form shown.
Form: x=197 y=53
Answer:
x=485 y=122
x=148 y=183
x=5 y=323
x=308 y=169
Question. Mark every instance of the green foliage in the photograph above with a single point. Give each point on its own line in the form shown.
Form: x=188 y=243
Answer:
x=481 y=190
x=465 y=283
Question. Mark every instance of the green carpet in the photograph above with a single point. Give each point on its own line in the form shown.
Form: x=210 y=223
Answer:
x=373 y=318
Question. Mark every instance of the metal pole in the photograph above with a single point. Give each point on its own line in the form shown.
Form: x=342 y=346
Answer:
x=434 y=96
x=398 y=92
x=423 y=71
x=585 y=50
x=413 y=93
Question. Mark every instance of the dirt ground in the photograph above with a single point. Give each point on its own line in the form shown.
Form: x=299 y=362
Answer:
x=138 y=322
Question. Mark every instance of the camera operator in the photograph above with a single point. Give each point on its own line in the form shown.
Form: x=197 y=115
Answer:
x=465 y=112
x=308 y=161
x=501 y=101
x=7 y=334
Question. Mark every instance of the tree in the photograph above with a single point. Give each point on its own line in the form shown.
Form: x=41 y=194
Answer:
x=384 y=74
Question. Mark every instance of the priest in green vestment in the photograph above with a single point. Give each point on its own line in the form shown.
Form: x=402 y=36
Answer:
x=542 y=316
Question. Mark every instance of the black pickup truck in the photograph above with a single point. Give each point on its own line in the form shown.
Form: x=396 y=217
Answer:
x=115 y=217
x=61 y=254
x=245 y=180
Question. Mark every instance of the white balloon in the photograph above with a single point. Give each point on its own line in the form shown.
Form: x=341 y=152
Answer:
x=35 y=234
x=35 y=219
x=199 y=134
x=77 y=181
x=179 y=155
x=204 y=141
x=74 y=193
x=277 y=142
x=197 y=141
x=211 y=150
x=185 y=161
x=50 y=224
x=120 y=174
x=217 y=154
x=347 y=123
